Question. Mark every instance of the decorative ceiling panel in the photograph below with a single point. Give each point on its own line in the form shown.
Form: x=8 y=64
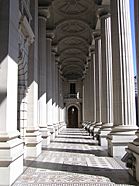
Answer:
x=72 y=22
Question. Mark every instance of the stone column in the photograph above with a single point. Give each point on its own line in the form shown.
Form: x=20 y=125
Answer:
x=49 y=104
x=98 y=64
x=33 y=136
x=133 y=147
x=106 y=94
x=86 y=114
x=61 y=104
x=89 y=95
x=93 y=89
x=123 y=79
x=56 y=93
x=54 y=81
x=42 y=77
x=11 y=147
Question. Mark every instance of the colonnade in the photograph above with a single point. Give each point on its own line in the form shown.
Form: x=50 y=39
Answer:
x=31 y=85
x=115 y=113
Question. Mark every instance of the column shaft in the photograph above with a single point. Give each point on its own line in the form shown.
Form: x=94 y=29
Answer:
x=98 y=79
x=123 y=79
x=122 y=60
x=98 y=73
x=11 y=147
x=133 y=148
x=49 y=84
x=33 y=136
x=43 y=81
x=42 y=72
x=107 y=87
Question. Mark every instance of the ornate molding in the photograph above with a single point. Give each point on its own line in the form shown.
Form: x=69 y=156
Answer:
x=26 y=29
x=50 y=34
x=71 y=7
x=44 y=13
x=74 y=41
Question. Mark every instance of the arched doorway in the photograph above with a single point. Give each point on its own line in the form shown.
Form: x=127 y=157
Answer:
x=72 y=117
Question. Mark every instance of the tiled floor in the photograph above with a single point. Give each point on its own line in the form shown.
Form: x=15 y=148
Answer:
x=74 y=159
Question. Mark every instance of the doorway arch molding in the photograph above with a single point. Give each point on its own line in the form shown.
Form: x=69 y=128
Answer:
x=77 y=105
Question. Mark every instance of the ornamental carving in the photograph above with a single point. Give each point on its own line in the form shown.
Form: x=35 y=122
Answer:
x=73 y=7
x=73 y=27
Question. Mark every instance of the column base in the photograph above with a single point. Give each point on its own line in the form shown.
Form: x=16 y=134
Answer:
x=119 y=138
x=91 y=129
x=103 y=132
x=45 y=133
x=52 y=132
x=11 y=160
x=62 y=126
x=132 y=160
x=33 y=142
x=96 y=130
x=56 y=126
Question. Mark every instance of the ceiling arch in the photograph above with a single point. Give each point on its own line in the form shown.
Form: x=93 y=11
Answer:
x=73 y=22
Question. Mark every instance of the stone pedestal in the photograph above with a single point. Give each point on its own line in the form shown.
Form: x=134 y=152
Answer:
x=45 y=133
x=133 y=158
x=96 y=130
x=11 y=160
x=119 y=138
x=103 y=132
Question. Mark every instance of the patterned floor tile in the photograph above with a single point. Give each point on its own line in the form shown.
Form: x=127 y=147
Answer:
x=74 y=159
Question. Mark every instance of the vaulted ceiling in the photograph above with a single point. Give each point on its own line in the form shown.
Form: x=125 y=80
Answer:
x=72 y=22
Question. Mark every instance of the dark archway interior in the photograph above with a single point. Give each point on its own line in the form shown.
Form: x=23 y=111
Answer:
x=72 y=117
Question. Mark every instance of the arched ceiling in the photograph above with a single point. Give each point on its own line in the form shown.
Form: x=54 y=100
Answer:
x=73 y=22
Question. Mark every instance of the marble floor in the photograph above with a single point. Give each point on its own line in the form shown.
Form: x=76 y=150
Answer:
x=74 y=159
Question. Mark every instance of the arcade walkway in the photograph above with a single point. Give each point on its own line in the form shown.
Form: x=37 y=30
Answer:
x=74 y=159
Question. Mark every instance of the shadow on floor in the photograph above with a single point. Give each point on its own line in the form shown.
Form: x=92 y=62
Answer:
x=74 y=142
x=98 y=153
x=118 y=176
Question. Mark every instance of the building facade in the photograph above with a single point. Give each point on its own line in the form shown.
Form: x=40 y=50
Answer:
x=66 y=64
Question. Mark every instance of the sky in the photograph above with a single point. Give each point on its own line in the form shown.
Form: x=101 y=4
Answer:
x=133 y=33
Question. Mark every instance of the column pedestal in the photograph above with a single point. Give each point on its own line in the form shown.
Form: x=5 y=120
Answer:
x=33 y=142
x=45 y=133
x=103 y=132
x=119 y=138
x=52 y=132
x=96 y=130
x=132 y=162
x=11 y=159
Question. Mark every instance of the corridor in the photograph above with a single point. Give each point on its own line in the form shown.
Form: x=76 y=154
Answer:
x=74 y=159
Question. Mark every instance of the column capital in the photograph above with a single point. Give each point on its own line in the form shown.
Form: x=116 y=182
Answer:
x=96 y=34
x=92 y=49
x=44 y=13
x=103 y=11
x=54 y=49
x=50 y=34
x=57 y=57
